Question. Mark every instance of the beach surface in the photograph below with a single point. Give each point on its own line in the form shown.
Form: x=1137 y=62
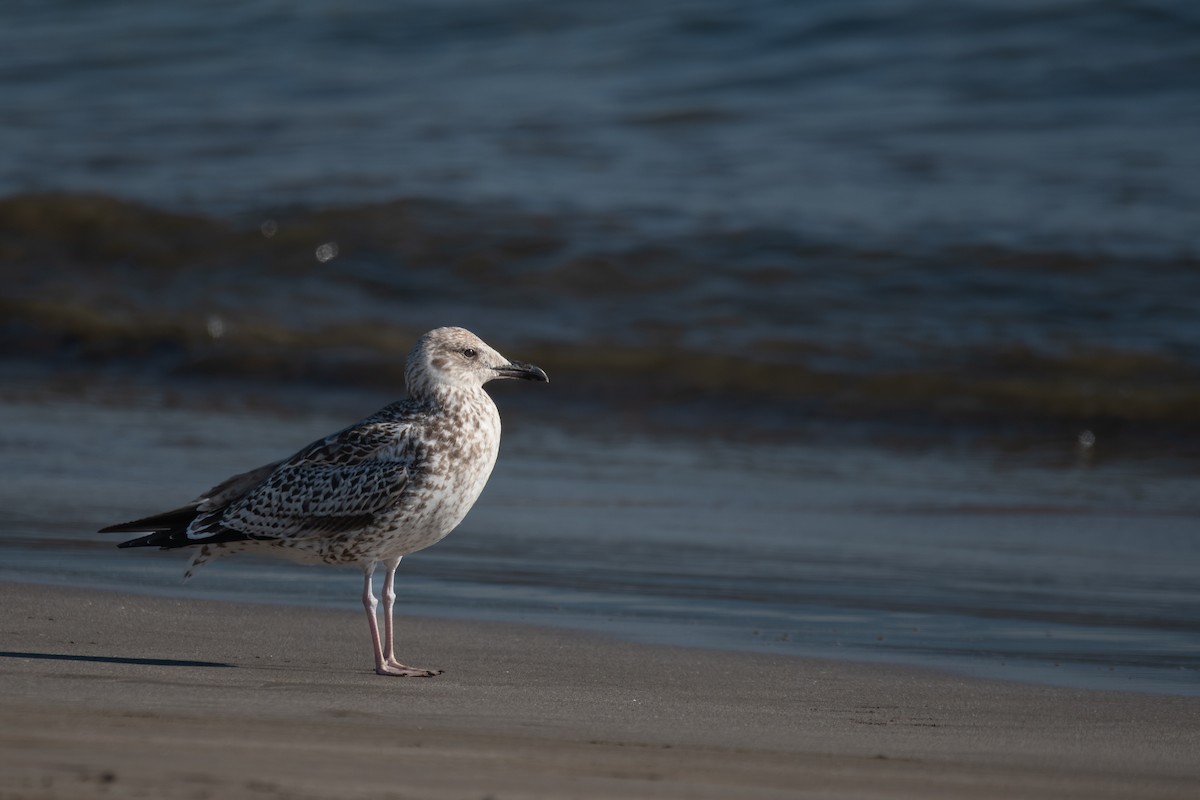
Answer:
x=110 y=694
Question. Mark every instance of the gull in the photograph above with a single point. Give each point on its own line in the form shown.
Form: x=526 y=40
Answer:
x=396 y=482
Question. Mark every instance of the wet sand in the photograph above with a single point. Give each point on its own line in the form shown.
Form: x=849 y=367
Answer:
x=120 y=695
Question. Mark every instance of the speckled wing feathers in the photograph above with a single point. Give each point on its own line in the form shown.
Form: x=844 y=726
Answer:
x=318 y=498
x=336 y=484
x=386 y=429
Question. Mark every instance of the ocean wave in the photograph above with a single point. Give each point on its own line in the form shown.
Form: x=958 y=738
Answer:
x=677 y=328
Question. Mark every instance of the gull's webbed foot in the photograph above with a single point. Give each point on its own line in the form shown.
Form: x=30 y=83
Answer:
x=393 y=667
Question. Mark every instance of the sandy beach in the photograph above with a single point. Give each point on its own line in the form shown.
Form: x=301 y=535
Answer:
x=120 y=695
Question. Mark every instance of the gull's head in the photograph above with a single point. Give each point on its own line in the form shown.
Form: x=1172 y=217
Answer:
x=458 y=358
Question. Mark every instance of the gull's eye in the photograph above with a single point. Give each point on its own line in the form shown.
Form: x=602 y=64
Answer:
x=470 y=352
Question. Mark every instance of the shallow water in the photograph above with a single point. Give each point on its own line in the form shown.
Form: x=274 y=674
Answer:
x=1083 y=577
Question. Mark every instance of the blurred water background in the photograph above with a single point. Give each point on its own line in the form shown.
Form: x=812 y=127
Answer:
x=872 y=324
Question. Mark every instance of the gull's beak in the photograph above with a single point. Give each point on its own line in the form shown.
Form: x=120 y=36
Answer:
x=526 y=372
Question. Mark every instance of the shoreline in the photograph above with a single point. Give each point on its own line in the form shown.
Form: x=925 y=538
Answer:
x=852 y=553
x=1028 y=673
x=109 y=690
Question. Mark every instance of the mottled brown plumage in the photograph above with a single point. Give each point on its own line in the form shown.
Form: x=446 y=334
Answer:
x=391 y=484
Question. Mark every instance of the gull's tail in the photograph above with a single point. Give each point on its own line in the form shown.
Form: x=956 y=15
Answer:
x=168 y=529
x=171 y=529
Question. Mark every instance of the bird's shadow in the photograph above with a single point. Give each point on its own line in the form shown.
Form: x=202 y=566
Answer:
x=144 y=662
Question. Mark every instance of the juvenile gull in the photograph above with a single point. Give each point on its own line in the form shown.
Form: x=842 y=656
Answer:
x=392 y=484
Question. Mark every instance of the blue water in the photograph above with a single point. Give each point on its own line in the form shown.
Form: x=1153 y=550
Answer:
x=915 y=123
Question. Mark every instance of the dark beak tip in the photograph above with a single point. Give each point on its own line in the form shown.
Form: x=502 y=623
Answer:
x=526 y=372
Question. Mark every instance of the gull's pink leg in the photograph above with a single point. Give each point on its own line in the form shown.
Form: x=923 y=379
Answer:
x=371 y=604
x=389 y=600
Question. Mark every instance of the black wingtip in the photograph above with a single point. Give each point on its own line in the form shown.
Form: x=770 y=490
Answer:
x=158 y=522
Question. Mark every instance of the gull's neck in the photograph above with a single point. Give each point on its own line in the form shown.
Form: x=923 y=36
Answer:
x=452 y=397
